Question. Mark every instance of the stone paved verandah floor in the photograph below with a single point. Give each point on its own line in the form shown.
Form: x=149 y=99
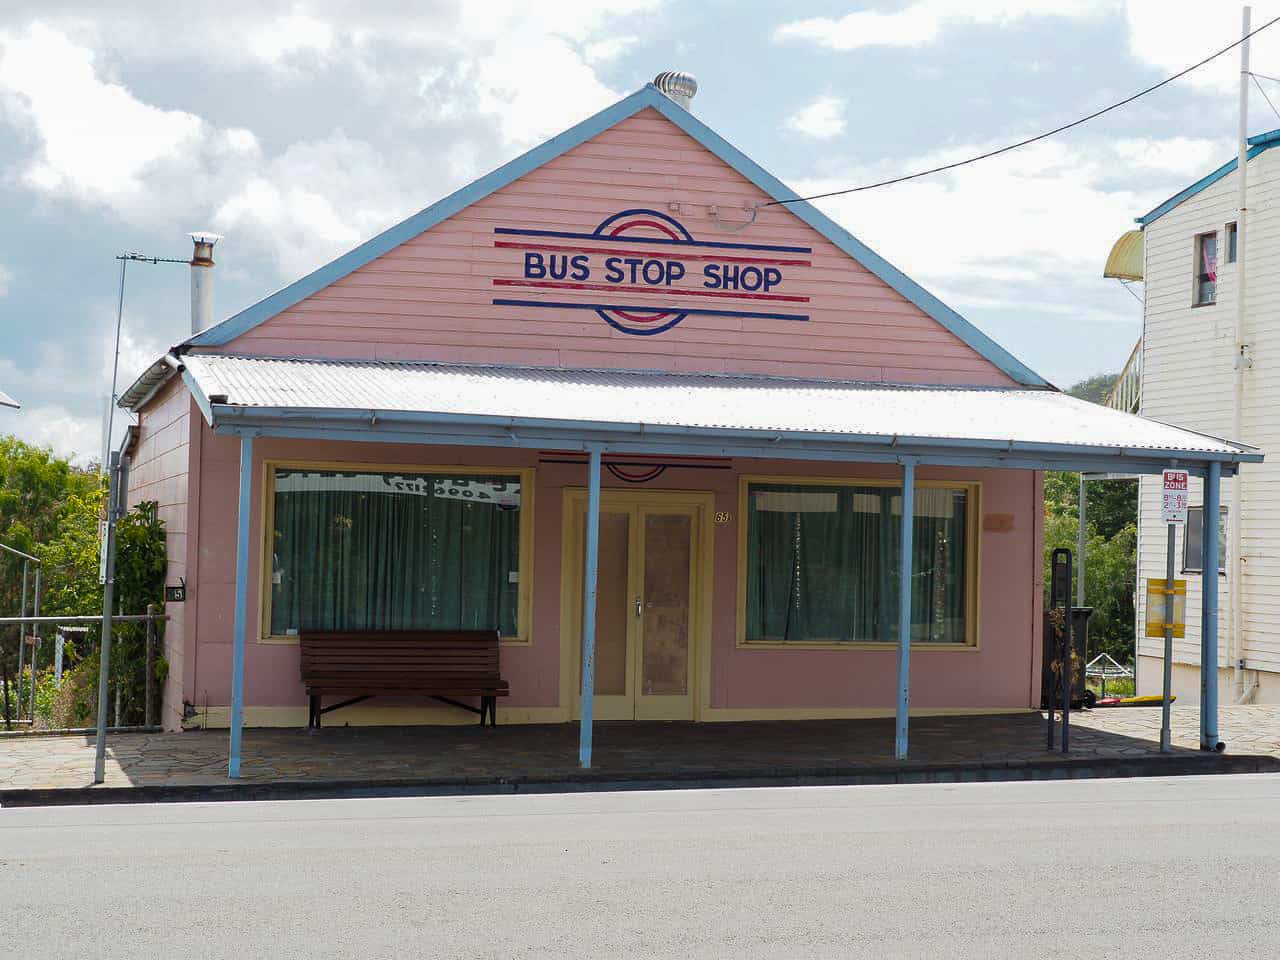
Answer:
x=623 y=750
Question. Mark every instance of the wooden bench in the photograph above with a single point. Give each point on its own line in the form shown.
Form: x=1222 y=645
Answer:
x=442 y=664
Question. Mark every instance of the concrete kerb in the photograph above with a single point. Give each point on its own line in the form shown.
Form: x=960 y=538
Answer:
x=1187 y=764
x=74 y=731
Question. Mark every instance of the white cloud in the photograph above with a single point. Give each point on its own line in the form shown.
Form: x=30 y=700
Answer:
x=96 y=138
x=137 y=352
x=1028 y=230
x=6 y=276
x=70 y=418
x=922 y=22
x=96 y=144
x=1173 y=34
x=54 y=425
x=529 y=110
x=273 y=41
x=535 y=76
x=821 y=119
x=525 y=72
x=610 y=48
x=316 y=200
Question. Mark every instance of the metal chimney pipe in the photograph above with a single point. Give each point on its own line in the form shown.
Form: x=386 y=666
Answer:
x=678 y=86
x=202 y=280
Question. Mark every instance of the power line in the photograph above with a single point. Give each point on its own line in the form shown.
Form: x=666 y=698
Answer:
x=1030 y=140
x=1254 y=78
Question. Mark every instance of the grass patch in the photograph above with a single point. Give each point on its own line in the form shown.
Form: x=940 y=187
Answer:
x=1116 y=686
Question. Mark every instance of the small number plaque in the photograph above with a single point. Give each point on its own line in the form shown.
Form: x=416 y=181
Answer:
x=175 y=594
x=723 y=516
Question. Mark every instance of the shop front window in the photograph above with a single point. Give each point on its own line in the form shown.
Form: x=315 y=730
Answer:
x=364 y=550
x=822 y=563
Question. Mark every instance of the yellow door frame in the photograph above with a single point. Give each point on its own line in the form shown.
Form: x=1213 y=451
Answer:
x=700 y=507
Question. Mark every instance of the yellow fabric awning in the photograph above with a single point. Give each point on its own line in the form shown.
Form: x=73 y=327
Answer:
x=1125 y=260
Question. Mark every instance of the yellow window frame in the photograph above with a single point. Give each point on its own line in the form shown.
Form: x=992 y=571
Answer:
x=524 y=601
x=972 y=571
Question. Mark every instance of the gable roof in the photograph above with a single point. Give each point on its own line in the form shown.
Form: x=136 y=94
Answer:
x=1259 y=144
x=647 y=97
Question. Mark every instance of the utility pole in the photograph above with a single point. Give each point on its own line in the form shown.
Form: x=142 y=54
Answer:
x=1241 y=361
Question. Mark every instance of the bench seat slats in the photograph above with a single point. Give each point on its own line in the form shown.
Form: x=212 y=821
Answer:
x=434 y=663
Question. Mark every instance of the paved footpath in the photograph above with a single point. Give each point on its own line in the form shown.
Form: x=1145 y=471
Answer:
x=972 y=747
x=1166 y=869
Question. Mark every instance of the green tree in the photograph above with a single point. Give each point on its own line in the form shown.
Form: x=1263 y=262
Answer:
x=48 y=508
x=1095 y=388
x=1111 y=535
x=1109 y=579
x=1111 y=505
x=139 y=581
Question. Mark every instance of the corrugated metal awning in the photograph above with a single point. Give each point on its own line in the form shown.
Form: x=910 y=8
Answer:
x=1125 y=260
x=720 y=414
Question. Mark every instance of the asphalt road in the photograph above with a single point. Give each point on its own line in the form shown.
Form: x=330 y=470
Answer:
x=1184 y=867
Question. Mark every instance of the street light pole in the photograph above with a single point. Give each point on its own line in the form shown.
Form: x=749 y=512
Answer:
x=124 y=259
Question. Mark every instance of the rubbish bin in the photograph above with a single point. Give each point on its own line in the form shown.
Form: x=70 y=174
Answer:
x=1051 y=662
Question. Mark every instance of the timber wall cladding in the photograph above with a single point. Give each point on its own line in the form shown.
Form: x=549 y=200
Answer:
x=433 y=297
x=1188 y=375
x=159 y=470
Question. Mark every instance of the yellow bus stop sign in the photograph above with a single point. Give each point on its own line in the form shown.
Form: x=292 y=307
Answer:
x=1156 y=590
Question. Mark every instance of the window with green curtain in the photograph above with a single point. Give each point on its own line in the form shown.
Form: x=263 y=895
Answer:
x=365 y=550
x=822 y=563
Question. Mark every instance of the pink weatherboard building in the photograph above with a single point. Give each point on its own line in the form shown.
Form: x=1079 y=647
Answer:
x=625 y=402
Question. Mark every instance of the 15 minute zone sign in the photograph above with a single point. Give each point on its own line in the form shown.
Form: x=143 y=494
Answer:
x=1176 y=490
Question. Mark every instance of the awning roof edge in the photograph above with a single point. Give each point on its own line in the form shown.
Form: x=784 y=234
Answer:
x=711 y=415
x=398 y=426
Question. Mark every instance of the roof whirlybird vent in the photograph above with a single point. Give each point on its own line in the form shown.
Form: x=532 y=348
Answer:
x=678 y=85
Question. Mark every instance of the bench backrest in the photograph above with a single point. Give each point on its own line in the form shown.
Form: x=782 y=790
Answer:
x=399 y=657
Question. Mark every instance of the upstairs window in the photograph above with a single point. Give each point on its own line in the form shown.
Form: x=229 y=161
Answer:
x=1231 y=243
x=1206 y=269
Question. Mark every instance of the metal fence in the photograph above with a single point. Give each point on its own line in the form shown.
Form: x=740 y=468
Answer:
x=20 y=710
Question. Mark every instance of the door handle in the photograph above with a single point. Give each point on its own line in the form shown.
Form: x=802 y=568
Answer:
x=639 y=607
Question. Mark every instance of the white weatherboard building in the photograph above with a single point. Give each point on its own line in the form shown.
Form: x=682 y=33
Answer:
x=1184 y=371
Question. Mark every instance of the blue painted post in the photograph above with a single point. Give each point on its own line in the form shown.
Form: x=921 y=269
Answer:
x=904 y=609
x=242 y=603
x=589 y=577
x=1209 y=610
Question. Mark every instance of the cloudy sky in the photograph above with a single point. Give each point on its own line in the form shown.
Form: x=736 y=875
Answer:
x=298 y=130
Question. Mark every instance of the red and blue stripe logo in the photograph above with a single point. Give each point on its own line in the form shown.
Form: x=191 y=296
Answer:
x=640 y=256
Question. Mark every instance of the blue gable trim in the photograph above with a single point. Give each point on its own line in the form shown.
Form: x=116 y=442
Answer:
x=648 y=96
x=1259 y=144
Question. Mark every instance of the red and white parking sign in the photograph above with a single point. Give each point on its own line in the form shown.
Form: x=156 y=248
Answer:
x=1176 y=491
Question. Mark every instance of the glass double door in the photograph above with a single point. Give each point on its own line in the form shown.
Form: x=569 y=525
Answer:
x=645 y=607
